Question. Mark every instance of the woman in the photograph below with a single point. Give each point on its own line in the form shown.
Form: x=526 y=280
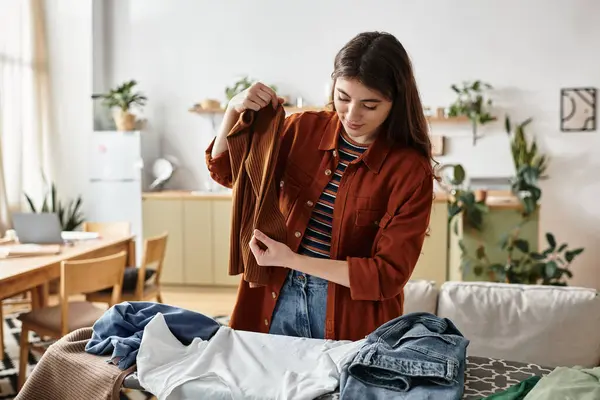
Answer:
x=356 y=188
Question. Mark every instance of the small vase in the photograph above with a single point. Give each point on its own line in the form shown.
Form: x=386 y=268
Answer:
x=124 y=120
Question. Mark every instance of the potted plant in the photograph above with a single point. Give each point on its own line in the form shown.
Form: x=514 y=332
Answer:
x=69 y=213
x=473 y=103
x=463 y=200
x=239 y=86
x=121 y=99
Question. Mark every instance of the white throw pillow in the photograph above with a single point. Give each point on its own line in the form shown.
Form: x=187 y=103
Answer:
x=546 y=325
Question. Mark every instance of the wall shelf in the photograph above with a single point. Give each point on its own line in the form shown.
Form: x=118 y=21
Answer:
x=447 y=120
x=291 y=109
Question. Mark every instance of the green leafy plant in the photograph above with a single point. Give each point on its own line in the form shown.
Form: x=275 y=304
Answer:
x=525 y=152
x=530 y=166
x=523 y=264
x=240 y=85
x=123 y=97
x=524 y=186
x=463 y=200
x=472 y=101
x=69 y=214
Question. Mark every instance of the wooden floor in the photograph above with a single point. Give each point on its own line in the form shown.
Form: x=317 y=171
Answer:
x=211 y=301
x=206 y=300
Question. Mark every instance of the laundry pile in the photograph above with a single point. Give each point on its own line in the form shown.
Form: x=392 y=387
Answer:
x=180 y=354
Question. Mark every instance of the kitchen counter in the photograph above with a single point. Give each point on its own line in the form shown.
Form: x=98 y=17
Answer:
x=186 y=195
x=495 y=199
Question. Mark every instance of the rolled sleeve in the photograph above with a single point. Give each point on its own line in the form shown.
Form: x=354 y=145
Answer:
x=398 y=248
x=219 y=167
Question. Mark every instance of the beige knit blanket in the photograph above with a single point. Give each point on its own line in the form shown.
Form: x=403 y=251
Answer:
x=67 y=372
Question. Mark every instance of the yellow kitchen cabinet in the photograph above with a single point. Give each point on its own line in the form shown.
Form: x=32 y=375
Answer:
x=432 y=264
x=221 y=229
x=198 y=242
x=199 y=227
x=166 y=214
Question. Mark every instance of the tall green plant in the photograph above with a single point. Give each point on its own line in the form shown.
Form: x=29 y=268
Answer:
x=525 y=152
x=69 y=214
x=530 y=166
x=472 y=101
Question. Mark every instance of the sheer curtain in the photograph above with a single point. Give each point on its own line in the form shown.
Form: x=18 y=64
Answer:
x=24 y=106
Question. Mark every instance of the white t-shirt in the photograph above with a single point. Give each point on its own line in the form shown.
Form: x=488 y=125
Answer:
x=236 y=364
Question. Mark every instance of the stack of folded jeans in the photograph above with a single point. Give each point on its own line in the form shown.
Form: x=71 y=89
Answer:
x=415 y=356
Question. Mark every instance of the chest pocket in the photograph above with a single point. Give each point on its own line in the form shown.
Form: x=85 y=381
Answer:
x=292 y=183
x=366 y=218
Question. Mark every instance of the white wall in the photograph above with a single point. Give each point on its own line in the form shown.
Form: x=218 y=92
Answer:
x=182 y=51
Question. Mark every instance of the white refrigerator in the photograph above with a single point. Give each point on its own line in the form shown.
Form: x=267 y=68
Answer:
x=115 y=181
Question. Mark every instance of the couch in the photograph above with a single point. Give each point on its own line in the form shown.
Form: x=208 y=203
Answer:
x=544 y=325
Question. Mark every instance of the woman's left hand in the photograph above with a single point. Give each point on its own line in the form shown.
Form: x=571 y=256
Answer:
x=276 y=254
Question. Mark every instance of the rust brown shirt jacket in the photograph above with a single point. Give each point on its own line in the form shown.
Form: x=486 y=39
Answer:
x=381 y=215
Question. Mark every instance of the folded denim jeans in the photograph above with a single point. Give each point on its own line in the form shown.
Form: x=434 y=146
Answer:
x=415 y=356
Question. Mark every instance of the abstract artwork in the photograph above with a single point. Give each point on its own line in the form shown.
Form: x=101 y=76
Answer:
x=578 y=109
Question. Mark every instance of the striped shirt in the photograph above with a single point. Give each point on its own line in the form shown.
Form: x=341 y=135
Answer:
x=317 y=239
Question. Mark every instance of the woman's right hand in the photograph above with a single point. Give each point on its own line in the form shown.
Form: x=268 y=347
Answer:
x=254 y=98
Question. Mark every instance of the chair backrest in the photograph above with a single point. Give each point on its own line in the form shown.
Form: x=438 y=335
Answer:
x=119 y=228
x=90 y=275
x=154 y=254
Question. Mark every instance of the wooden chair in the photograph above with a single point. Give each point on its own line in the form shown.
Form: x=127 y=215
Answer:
x=20 y=299
x=76 y=277
x=153 y=257
x=108 y=228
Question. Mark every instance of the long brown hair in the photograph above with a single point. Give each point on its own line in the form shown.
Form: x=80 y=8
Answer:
x=379 y=61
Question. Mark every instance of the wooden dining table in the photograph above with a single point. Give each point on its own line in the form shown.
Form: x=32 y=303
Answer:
x=34 y=273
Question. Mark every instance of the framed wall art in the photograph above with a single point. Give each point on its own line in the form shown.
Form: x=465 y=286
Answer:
x=578 y=109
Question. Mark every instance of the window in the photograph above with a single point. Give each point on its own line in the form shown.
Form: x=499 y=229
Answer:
x=20 y=120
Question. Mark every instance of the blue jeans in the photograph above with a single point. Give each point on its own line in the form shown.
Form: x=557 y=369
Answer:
x=416 y=356
x=301 y=307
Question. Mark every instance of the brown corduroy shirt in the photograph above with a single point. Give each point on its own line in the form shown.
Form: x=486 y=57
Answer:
x=253 y=151
x=381 y=214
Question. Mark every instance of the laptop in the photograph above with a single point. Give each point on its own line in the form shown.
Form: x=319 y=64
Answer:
x=38 y=228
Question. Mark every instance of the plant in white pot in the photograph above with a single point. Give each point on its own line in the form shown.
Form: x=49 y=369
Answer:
x=121 y=99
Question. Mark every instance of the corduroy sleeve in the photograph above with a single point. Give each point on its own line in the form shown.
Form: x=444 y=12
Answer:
x=219 y=167
x=384 y=275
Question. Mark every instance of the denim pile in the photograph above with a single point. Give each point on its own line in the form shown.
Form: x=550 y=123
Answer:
x=415 y=356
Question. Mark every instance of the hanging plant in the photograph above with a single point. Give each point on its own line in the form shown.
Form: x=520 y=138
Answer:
x=472 y=101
